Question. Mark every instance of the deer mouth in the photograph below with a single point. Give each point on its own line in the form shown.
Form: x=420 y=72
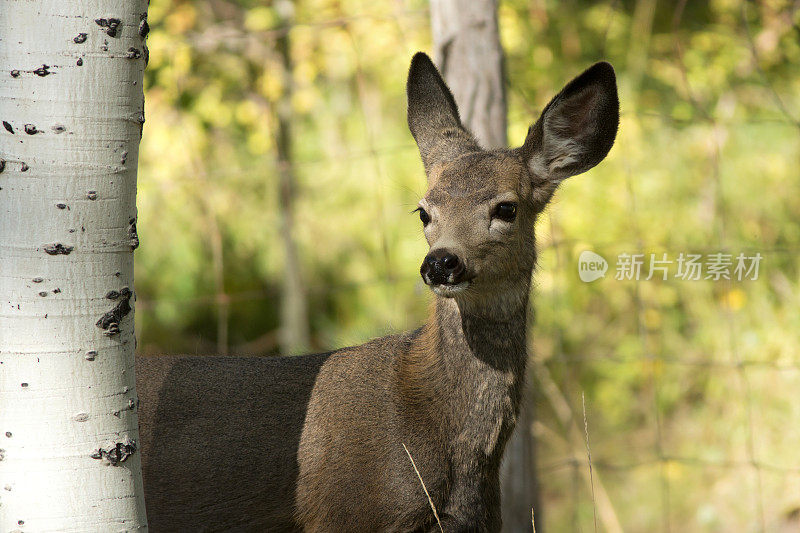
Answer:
x=449 y=290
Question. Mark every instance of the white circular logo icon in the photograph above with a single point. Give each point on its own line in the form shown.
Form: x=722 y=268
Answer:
x=591 y=266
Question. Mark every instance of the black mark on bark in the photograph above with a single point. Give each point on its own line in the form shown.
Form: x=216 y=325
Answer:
x=8 y=127
x=58 y=128
x=116 y=454
x=133 y=53
x=61 y=206
x=90 y=355
x=24 y=167
x=15 y=73
x=91 y=195
x=2 y=165
x=58 y=249
x=79 y=62
x=30 y=129
x=110 y=25
x=110 y=321
x=80 y=38
x=133 y=235
x=42 y=71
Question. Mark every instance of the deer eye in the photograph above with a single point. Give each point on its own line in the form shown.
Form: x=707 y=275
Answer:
x=423 y=216
x=505 y=211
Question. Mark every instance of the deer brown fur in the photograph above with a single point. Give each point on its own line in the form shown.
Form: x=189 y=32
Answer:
x=315 y=443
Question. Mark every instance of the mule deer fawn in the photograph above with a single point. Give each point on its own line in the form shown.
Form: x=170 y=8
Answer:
x=316 y=442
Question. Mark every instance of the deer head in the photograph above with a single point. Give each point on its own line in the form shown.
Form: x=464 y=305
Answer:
x=480 y=206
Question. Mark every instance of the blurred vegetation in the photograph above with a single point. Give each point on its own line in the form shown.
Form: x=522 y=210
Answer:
x=692 y=387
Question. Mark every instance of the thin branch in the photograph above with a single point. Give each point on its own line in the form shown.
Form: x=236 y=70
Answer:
x=757 y=63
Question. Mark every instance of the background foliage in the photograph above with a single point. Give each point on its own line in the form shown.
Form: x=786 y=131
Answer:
x=692 y=388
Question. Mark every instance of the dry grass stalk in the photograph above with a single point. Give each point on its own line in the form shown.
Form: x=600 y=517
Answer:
x=589 y=456
x=430 y=501
x=605 y=508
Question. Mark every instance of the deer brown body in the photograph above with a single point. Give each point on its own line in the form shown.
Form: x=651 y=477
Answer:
x=316 y=442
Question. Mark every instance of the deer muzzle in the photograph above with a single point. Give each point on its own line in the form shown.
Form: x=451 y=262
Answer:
x=442 y=267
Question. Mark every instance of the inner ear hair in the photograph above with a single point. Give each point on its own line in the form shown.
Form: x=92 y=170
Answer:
x=577 y=128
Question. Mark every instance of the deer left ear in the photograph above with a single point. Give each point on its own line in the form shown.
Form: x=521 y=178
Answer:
x=576 y=129
x=433 y=115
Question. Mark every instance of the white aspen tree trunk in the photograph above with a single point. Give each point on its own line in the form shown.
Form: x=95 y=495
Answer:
x=294 y=333
x=467 y=50
x=71 y=106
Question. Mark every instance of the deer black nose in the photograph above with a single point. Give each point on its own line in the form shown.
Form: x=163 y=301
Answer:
x=442 y=267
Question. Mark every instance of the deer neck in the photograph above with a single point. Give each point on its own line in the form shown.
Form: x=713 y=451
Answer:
x=484 y=334
x=469 y=348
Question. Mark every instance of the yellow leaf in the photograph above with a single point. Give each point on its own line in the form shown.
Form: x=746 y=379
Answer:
x=259 y=19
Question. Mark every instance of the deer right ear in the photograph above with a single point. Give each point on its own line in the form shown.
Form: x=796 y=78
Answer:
x=432 y=114
x=576 y=129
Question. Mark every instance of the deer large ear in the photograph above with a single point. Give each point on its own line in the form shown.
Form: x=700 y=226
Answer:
x=432 y=114
x=576 y=129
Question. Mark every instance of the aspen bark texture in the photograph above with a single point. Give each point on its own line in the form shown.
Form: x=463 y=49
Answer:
x=72 y=111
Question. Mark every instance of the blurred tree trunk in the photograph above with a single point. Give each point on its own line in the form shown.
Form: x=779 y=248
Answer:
x=72 y=108
x=639 y=49
x=294 y=331
x=468 y=52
